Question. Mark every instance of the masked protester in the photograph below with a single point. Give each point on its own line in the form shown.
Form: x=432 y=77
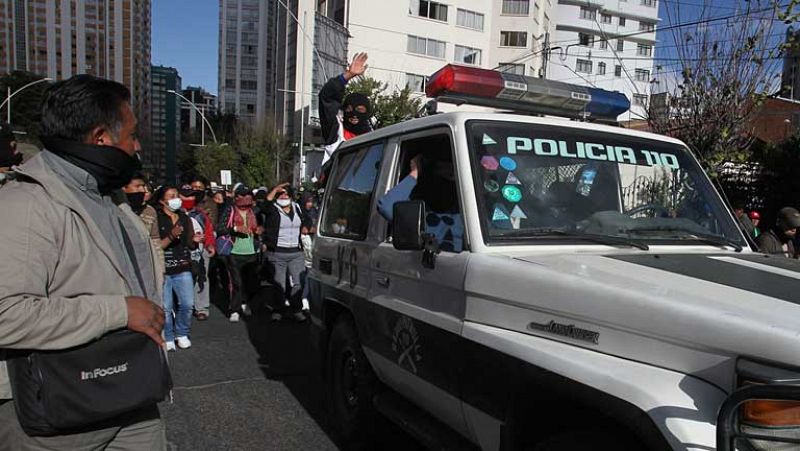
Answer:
x=178 y=239
x=136 y=194
x=239 y=222
x=343 y=119
x=779 y=239
x=285 y=259
x=192 y=199
x=88 y=264
x=9 y=157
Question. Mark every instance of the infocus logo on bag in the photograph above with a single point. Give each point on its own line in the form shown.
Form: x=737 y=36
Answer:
x=103 y=372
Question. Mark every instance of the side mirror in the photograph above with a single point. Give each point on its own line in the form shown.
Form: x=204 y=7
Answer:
x=408 y=225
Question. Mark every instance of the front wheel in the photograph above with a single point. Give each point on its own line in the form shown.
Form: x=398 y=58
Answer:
x=351 y=386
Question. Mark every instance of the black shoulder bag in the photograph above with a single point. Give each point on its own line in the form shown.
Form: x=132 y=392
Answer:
x=88 y=386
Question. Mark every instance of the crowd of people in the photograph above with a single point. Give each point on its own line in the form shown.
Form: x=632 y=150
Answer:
x=208 y=237
x=780 y=239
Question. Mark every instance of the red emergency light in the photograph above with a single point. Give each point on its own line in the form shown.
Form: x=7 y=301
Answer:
x=484 y=87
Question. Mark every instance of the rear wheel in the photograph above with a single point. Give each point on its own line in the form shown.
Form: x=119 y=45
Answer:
x=351 y=386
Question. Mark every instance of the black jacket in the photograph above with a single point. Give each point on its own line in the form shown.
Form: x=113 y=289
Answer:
x=272 y=225
x=330 y=102
x=770 y=243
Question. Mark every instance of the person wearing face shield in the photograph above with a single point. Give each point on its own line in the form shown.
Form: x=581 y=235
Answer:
x=178 y=240
x=431 y=180
x=285 y=258
x=343 y=118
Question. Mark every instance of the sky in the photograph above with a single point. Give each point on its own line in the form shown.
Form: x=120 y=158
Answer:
x=185 y=36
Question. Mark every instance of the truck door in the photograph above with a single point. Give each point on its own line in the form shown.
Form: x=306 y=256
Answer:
x=418 y=311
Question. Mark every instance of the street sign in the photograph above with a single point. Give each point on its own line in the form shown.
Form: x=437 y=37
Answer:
x=225 y=177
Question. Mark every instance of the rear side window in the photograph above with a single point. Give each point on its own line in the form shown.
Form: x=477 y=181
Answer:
x=347 y=209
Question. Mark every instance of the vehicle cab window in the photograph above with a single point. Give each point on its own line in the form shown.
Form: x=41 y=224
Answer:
x=427 y=173
x=347 y=211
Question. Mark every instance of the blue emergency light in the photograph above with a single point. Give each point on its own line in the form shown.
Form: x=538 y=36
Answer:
x=484 y=87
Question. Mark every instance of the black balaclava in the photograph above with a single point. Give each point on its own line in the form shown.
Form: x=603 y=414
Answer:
x=357 y=99
x=110 y=166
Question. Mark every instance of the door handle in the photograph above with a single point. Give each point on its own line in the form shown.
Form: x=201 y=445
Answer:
x=383 y=281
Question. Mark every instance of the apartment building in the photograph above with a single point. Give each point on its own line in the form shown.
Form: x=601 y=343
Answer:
x=407 y=41
x=205 y=102
x=160 y=161
x=62 y=38
x=608 y=44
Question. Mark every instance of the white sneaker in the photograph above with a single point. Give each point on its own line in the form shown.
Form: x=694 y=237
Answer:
x=234 y=318
x=184 y=342
x=170 y=346
x=246 y=310
x=305 y=305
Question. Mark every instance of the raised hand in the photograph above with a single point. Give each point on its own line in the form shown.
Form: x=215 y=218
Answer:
x=357 y=67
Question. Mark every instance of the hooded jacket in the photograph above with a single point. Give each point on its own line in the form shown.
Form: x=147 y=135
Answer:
x=61 y=283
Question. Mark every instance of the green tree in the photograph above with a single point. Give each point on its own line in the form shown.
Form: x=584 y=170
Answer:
x=260 y=149
x=388 y=107
x=25 y=105
x=212 y=158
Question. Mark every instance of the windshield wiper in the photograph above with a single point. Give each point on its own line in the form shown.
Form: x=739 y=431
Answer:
x=719 y=240
x=603 y=239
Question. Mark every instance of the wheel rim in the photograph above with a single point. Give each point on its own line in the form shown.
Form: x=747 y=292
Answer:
x=349 y=379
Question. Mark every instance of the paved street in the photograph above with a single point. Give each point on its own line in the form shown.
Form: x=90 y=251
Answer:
x=249 y=385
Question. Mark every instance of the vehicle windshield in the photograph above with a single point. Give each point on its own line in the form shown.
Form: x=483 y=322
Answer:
x=534 y=181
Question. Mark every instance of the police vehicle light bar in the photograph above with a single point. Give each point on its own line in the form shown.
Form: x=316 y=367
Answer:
x=475 y=86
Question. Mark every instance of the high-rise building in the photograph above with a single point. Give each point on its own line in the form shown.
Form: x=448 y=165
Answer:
x=246 y=47
x=160 y=160
x=410 y=40
x=203 y=100
x=606 y=44
x=61 y=38
x=790 y=78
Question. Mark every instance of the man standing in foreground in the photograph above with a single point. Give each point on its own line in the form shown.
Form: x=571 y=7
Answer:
x=76 y=264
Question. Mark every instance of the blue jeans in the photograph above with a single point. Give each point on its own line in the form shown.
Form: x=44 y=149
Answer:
x=183 y=286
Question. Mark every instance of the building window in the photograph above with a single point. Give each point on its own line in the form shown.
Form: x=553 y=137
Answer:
x=603 y=44
x=513 y=39
x=642 y=75
x=621 y=21
x=424 y=46
x=416 y=83
x=588 y=14
x=468 y=55
x=584 y=66
x=605 y=18
x=644 y=50
x=431 y=10
x=647 y=26
x=516 y=7
x=650 y=3
x=585 y=39
x=640 y=100
x=617 y=71
x=601 y=68
x=620 y=45
x=469 y=19
x=511 y=68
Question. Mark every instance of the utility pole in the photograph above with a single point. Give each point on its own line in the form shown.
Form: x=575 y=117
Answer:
x=545 y=54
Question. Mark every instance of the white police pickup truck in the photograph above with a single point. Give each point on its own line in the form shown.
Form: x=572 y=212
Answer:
x=503 y=281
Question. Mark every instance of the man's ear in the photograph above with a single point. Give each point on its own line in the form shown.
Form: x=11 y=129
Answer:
x=100 y=136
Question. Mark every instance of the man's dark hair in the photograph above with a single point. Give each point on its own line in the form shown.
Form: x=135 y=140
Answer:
x=199 y=178
x=72 y=108
x=139 y=176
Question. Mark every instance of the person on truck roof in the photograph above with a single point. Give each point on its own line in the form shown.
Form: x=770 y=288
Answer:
x=355 y=108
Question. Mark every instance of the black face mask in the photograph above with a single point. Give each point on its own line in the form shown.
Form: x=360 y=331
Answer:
x=136 y=201
x=355 y=100
x=199 y=196
x=111 y=167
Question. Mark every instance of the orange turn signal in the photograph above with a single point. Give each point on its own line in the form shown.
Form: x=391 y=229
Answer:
x=771 y=413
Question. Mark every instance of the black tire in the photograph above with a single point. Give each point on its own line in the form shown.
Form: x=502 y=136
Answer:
x=350 y=386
